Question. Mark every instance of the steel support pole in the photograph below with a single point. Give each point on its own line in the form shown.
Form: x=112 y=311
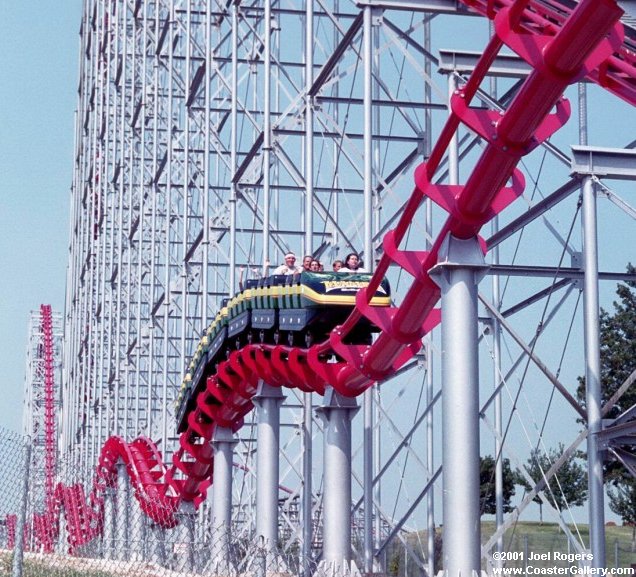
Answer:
x=593 y=374
x=430 y=461
x=233 y=148
x=428 y=342
x=18 y=551
x=122 y=522
x=453 y=152
x=267 y=129
x=167 y=217
x=376 y=392
x=307 y=496
x=367 y=478
x=459 y=269
x=496 y=335
x=309 y=129
x=591 y=324
x=268 y=401
x=209 y=58
x=337 y=412
x=496 y=358
x=223 y=442
x=307 y=427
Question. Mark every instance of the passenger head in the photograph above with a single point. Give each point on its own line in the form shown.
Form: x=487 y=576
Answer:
x=290 y=259
x=314 y=266
x=337 y=265
x=307 y=261
x=352 y=262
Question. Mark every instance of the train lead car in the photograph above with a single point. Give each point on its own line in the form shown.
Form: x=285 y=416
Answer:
x=295 y=310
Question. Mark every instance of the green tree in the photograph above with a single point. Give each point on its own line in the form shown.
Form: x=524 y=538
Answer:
x=487 y=497
x=618 y=361
x=618 y=348
x=567 y=488
x=622 y=501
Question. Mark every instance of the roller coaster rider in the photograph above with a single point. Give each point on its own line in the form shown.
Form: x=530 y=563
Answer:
x=352 y=263
x=289 y=266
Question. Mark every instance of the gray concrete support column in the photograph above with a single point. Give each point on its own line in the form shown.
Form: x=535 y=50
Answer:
x=108 y=539
x=122 y=537
x=62 y=546
x=223 y=442
x=337 y=412
x=157 y=545
x=459 y=269
x=184 y=547
x=137 y=529
x=268 y=401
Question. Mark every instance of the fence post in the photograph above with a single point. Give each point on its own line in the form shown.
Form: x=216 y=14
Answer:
x=616 y=553
x=18 y=551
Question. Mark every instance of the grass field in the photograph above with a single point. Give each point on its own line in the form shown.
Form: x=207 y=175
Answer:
x=526 y=538
x=548 y=538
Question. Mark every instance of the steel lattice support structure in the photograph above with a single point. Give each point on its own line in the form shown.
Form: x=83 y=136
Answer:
x=185 y=173
x=211 y=138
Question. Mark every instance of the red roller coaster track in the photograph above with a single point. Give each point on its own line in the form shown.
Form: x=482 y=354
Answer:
x=84 y=517
x=563 y=42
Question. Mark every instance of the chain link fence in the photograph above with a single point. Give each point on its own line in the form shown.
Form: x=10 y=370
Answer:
x=14 y=473
x=84 y=525
x=90 y=528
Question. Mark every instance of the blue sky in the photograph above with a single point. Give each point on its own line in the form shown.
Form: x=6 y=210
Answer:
x=38 y=86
